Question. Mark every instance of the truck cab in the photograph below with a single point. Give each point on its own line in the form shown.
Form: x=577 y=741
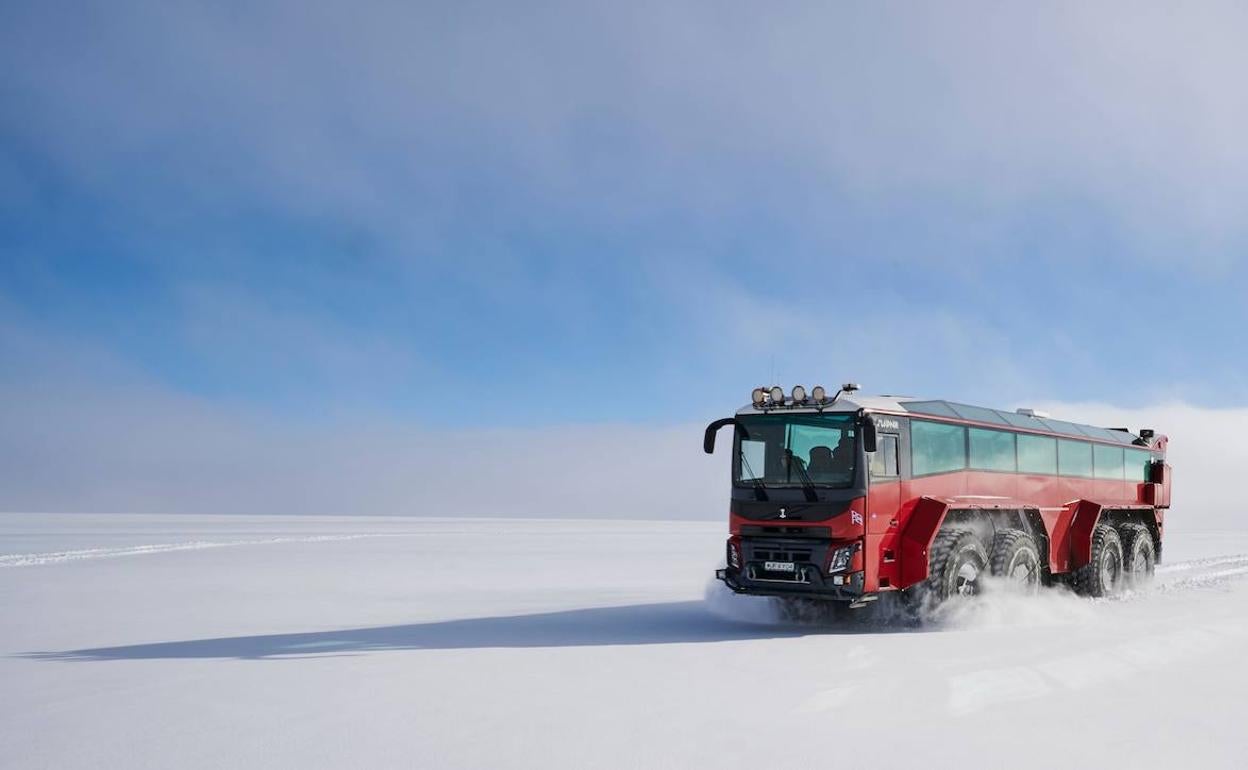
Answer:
x=801 y=477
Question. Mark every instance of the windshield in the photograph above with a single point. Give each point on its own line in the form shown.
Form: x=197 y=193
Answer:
x=792 y=450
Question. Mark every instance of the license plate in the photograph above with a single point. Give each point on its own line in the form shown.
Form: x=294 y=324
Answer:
x=779 y=566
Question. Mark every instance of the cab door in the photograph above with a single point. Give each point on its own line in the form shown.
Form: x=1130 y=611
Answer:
x=883 y=500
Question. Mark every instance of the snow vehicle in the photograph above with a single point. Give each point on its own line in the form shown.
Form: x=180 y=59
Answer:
x=852 y=497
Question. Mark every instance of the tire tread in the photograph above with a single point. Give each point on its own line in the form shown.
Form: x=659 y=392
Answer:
x=1087 y=579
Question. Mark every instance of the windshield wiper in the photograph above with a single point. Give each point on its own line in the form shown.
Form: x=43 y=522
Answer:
x=760 y=491
x=808 y=486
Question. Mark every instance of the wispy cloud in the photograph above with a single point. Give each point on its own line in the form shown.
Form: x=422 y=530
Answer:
x=96 y=436
x=92 y=434
x=400 y=116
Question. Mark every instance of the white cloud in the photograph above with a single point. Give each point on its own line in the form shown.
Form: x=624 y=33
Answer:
x=1133 y=110
x=81 y=431
x=1205 y=451
x=94 y=436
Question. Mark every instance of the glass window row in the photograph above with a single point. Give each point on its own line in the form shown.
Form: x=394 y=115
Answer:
x=937 y=447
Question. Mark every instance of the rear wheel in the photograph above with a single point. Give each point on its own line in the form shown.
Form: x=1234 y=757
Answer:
x=1016 y=557
x=1102 y=575
x=955 y=565
x=1139 y=554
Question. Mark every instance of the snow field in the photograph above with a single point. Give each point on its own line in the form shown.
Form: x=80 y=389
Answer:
x=146 y=641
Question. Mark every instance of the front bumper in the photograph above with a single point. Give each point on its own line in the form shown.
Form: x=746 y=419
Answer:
x=813 y=584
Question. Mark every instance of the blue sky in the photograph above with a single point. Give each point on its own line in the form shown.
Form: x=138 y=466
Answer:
x=561 y=214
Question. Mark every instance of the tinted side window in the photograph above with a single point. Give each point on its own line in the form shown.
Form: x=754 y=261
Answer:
x=884 y=459
x=1074 y=458
x=992 y=450
x=937 y=447
x=1107 y=461
x=1137 y=465
x=1037 y=454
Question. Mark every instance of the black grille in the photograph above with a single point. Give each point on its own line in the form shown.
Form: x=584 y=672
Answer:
x=773 y=553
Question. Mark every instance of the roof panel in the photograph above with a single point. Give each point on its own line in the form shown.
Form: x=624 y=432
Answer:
x=1063 y=427
x=942 y=408
x=1123 y=436
x=939 y=408
x=977 y=413
x=1022 y=421
x=1102 y=433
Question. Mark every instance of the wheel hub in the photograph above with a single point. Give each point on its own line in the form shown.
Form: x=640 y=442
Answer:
x=965 y=581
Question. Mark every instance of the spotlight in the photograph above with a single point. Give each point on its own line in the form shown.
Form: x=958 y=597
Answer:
x=777 y=394
x=819 y=394
x=758 y=396
x=799 y=394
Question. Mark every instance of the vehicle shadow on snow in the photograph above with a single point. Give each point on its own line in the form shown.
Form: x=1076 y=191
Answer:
x=658 y=623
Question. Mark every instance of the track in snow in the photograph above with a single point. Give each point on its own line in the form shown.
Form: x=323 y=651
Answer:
x=1198 y=572
x=59 y=557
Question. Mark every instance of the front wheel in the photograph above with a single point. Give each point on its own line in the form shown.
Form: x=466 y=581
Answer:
x=1102 y=575
x=955 y=565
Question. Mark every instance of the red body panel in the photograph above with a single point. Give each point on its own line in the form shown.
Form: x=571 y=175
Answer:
x=904 y=516
x=923 y=519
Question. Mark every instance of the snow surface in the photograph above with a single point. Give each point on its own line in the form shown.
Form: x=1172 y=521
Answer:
x=159 y=642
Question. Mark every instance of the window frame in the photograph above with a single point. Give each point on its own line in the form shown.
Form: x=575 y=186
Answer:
x=882 y=437
x=1091 y=474
x=1148 y=461
x=970 y=465
x=1098 y=449
x=913 y=455
x=1018 y=454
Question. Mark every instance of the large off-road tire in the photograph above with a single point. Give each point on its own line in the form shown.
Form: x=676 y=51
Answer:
x=1139 y=555
x=1016 y=558
x=1102 y=575
x=956 y=563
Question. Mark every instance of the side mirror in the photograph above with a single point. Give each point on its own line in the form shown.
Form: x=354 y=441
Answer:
x=870 y=440
x=708 y=439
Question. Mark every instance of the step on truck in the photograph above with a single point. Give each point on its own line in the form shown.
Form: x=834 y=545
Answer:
x=851 y=497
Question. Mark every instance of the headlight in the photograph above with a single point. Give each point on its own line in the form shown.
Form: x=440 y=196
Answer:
x=734 y=555
x=841 y=558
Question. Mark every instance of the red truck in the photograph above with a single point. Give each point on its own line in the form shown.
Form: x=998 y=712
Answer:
x=852 y=497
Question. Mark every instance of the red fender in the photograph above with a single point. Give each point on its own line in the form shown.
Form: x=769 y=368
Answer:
x=1086 y=515
x=923 y=521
